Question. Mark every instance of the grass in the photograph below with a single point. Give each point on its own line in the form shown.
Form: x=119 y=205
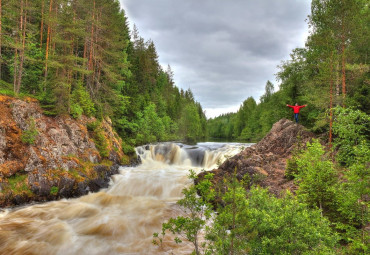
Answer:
x=18 y=184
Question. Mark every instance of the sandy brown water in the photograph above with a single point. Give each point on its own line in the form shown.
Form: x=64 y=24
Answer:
x=120 y=219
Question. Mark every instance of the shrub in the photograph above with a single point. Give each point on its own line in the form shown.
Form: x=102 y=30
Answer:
x=286 y=226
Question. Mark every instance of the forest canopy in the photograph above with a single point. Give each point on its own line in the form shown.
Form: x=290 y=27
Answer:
x=80 y=57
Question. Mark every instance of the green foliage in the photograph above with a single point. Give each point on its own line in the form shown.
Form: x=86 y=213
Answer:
x=54 y=191
x=30 y=134
x=18 y=184
x=286 y=226
x=253 y=223
x=190 y=124
x=117 y=75
x=97 y=134
x=352 y=142
x=291 y=168
x=92 y=126
x=101 y=143
x=128 y=149
x=317 y=178
x=81 y=102
x=351 y=128
x=197 y=210
x=230 y=231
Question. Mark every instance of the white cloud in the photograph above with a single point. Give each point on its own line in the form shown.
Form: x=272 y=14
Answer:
x=225 y=51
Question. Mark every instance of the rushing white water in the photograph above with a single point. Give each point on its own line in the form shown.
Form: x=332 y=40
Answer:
x=120 y=219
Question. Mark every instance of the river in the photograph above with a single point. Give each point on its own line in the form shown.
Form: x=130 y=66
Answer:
x=120 y=219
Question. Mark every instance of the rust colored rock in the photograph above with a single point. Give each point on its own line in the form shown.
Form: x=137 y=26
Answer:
x=61 y=147
x=264 y=163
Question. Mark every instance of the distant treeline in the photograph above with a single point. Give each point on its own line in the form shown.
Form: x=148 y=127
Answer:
x=332 y=69
x=79 y=57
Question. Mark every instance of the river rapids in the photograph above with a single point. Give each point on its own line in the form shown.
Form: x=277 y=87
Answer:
x=120 y=219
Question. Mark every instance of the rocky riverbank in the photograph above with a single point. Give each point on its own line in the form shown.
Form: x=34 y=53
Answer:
x=46 y=158
x=265 y=162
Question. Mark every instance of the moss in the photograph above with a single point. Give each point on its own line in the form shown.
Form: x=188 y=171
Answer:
x=17 y=184
x=74 y=173
x=106 y=162
x=125 y=160
x=54 y=191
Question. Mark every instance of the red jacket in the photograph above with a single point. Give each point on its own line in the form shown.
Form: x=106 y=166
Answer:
x=296 y=108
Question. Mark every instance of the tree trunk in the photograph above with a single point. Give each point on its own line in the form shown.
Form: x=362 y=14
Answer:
x=343 y=70
x=48 y=41
x=92 y=39
x=343 y=54
x=15 y=70
x=42 y=22
x=56 y=17
x=90 y=65
x=337 y=80
x=22 y=52
x=196 y=245
x=331 y=103
x=16 y=66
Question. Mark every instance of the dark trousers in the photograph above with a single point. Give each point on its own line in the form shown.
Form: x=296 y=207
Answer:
x=296 y=117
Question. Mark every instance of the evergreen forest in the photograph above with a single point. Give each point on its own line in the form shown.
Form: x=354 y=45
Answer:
x=79 y=57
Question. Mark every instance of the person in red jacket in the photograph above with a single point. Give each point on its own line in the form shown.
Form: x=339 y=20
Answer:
x=296 y=109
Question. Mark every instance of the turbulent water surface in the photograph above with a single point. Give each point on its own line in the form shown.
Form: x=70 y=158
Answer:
x=120 y=219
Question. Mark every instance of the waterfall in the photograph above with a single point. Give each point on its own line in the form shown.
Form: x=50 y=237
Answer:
x=120 y=219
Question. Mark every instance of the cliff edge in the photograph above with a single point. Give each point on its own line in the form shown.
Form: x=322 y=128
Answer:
x=264 y=163
x=45 y=158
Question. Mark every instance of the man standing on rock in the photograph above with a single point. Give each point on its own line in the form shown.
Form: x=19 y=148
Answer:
x=296 y=109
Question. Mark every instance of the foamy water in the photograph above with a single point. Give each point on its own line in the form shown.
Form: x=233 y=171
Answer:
x=120 y=219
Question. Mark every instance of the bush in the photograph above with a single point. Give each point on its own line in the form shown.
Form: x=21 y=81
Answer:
x=81 y=102
x=350 y=127
x=286 y=226
x=128 y=149
x=101 y=143
x=316 y=177
x=291 y=168
x=254 y=223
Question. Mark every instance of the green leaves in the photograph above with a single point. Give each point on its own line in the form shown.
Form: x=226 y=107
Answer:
x=81 y=102
x=197 y=210
x=351 y=128
x=249 y=223
x=286 y=226
x=316 y=177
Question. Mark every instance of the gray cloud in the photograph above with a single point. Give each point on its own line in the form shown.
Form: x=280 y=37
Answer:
x=225 y=51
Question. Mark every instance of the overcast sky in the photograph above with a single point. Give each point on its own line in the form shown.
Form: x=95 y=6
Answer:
x=223 y=50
